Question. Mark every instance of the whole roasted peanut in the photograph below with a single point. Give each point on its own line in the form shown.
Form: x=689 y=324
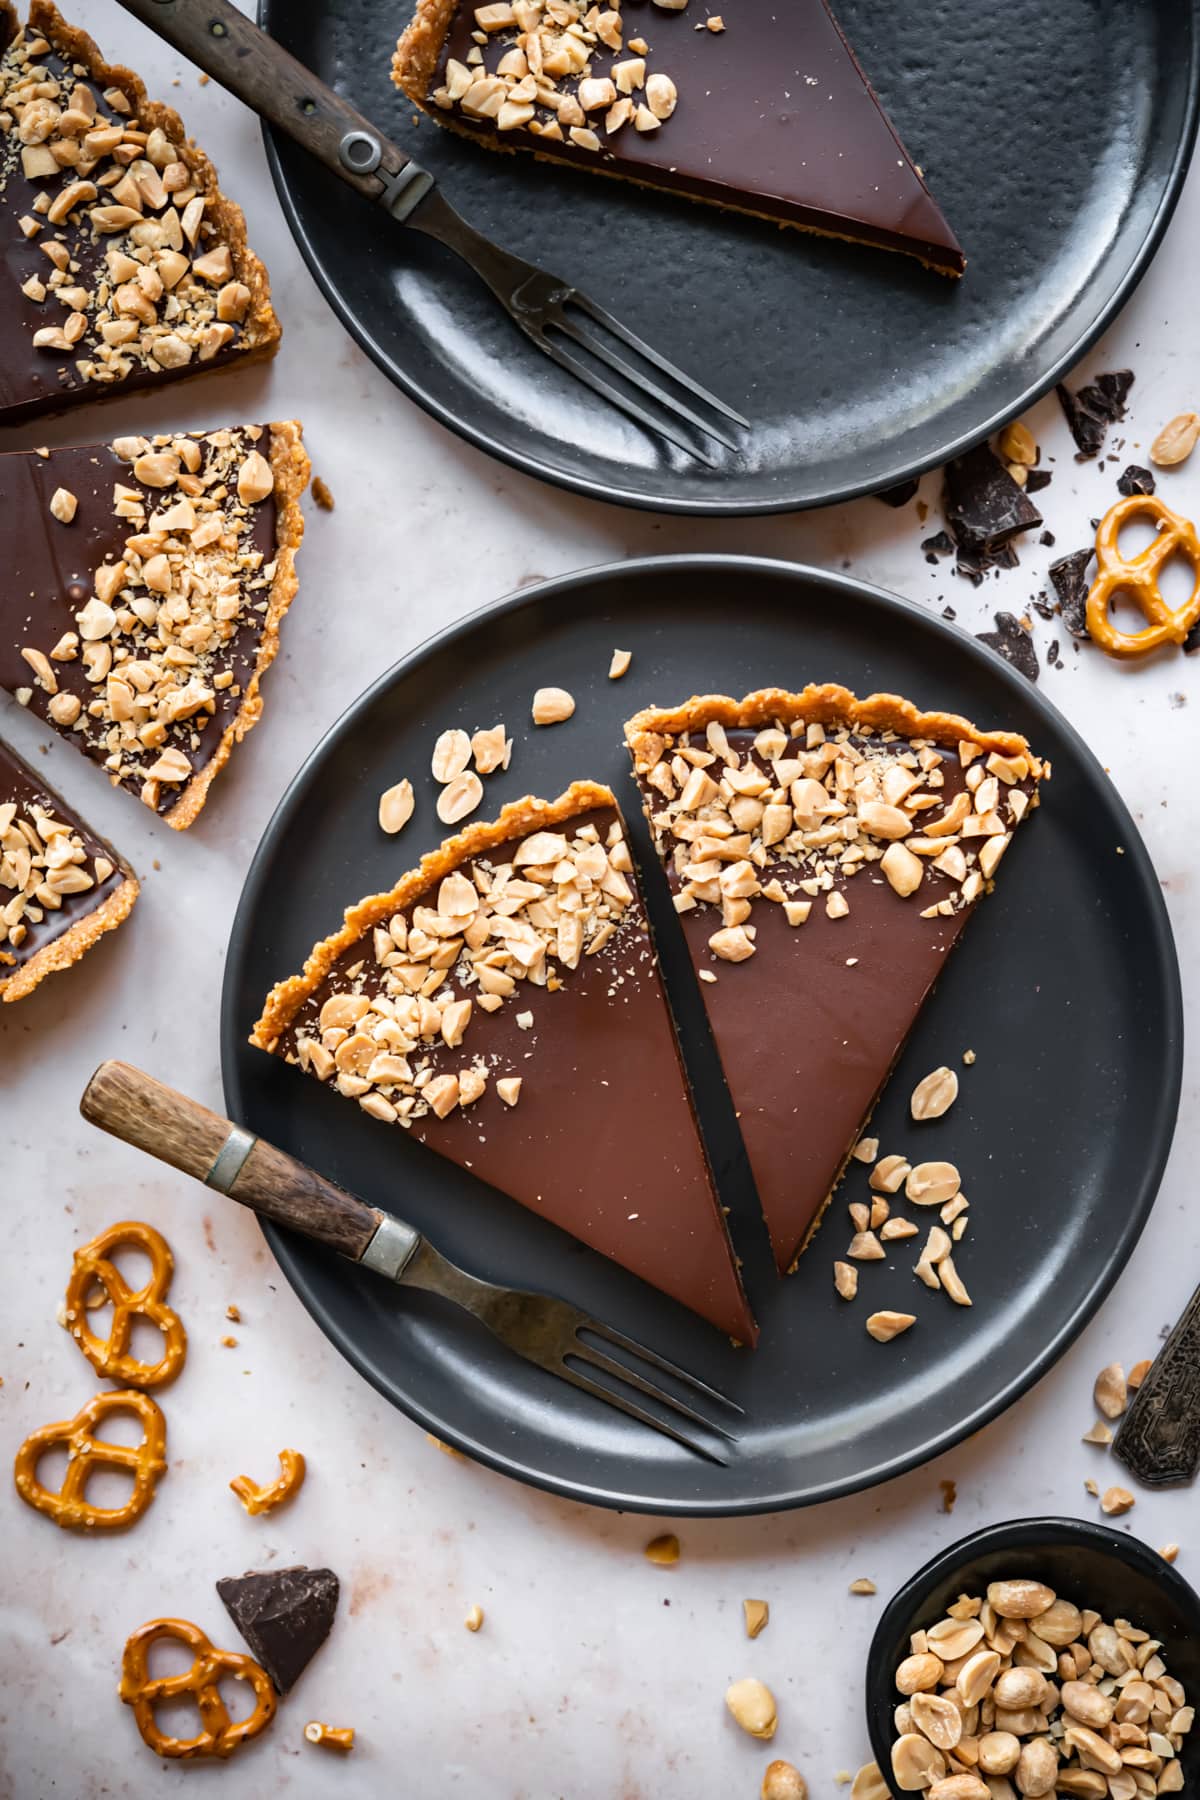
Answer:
x=783 y=1782
x=916 y=1674
x=916 y=1762
x=1106 y=1648
x=1020 y=1599
x=1037 y=1768
x=937 y=1719
x=1018 y=1688
x=960 y=1787
x=753 y=1706
x=1087 y=1704
x=999 y=1752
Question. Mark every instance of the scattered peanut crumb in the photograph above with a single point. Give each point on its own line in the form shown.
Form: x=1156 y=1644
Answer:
x=1116 y=1500
x=1138 y=1374
x=1092 y=1489
x=949 y=1495
x=863 y=1585
x=968 y=1057
x=446 y=1449
x=1099 y=1434
x=1169 y=1552
x=716 y=23
x=63 y=504
x=756 y=1614
x=1111 y=1391
x=230 y=1343
x=474 y=1618
x=551 y=705
x=202 y=80
x=621 y=660
x=231 y=1312
x=322 y=495
x=663 y=1550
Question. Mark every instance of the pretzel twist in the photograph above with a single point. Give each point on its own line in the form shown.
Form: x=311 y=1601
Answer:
x=70 y=1507
x=219 y=1736
x=265 y=1499
x=110 y=1356
x=1137 y=576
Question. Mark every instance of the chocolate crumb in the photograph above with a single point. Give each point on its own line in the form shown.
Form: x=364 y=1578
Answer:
x=1037 y=479
x=1069 y=577
x=948 y=612
x=1014 y=645
x=1042 y=606
x=901 y=494
x=322 y=495
x=940 y=544
x=1052 y=653
x=1092 y=409
x=1135 y=480
x=1048 y=538
x=1191 y=642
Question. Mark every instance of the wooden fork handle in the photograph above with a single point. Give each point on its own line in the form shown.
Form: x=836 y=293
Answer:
x=145 y=1113
x=275 y=85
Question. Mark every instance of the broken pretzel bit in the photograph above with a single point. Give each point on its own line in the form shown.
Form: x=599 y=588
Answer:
x=286 y=1484
x=330 y=1737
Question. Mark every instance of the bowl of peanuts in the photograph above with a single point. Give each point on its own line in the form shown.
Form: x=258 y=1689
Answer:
x=1038 y=1657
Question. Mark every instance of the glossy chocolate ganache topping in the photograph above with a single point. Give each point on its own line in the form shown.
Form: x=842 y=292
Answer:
x=123 y=264
x=765 y=110
x=142 y=596
x=822 y=869
x=61 y=886
x=504 y=1006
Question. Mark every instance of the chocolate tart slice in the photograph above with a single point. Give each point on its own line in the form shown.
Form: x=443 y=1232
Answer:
x=61 y=886
x=824 y=854
x=143 y=588
x=503 y=1004
x=123 y=263
x=772 y=116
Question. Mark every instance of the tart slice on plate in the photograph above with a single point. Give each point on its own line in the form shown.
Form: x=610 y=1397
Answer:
x=767 y=111
x=145 y=583
x=503 y=1005
x=61 y=886
x=824 y=854
x=123 y=263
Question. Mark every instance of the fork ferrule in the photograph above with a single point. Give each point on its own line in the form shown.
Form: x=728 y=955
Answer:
x=391 y=1249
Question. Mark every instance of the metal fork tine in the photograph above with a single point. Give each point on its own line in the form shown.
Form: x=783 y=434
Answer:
x=589 y=306
x=610 y=1366
x=615 y=397
x=636 y=1412
x=613 y=358
x=611 y=1335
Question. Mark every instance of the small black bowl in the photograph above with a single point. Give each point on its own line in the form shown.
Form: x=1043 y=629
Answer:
x=1091 y=1565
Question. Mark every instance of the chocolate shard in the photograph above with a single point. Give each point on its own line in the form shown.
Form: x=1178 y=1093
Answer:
x=1135 y=480
x=1092 y=409
x=940 y=544
x=285 y=1615
x=1011 y=641
x=1069 y=578
x=1037 y=479
x=984 y=507
x=901 y=494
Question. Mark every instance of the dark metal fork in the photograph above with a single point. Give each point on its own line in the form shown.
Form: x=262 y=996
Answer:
x=544 y=1330
x=552 y=313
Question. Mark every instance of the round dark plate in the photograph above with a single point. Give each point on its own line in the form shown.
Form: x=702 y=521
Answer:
x=1065 y=986
x=1055 y=138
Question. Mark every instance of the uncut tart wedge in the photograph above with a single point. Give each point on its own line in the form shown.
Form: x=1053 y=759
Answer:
x=824 y=854
x=142 y=590
x=503 y=1005
x=122 y=264
x=773 y=116
x=61 y=886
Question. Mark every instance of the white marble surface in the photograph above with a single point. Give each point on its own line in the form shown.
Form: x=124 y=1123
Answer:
x=584 y=1682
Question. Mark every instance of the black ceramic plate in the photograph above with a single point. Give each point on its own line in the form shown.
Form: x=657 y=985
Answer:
x=1055 y=137
x=1065 y=986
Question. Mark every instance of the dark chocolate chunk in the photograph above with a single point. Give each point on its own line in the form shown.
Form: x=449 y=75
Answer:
x=940 y=544
x=1135 y=480
x=901 y=494
x=984 y=506
x=1013 y=643
x=1048 y=538
x=1191 y=642
x=1069 y=576
x=1042 y=606
x=1037 y=479
x=948 y=612
x=1092 y=409
x=285 y=1615
x=1052 y=653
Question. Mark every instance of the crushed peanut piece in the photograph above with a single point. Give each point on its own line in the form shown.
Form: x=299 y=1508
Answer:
x=663 y=1550
x=884 y=1326
x=1116 y=1500
x=551 y=705
x=756 y=1615
x=621 y=660
x=321 y=494
x=863 y=1585
x=1111 y=1392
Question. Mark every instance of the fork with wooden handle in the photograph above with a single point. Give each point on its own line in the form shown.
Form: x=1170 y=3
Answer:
x=142 y=1111
x=271 y=81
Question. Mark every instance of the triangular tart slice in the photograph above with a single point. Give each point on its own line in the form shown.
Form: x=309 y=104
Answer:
x=145 y=582
x=61 y=886
x=124 y=265
x=824 y=854
x=503 y=1004
x=773 y=116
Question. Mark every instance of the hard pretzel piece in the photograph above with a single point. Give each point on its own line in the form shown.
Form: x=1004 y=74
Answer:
x=266 y=1499
x=220 y=1736
x=69 y=1507
x=110 y=1356
x=1138 y=575
x=331 y=1737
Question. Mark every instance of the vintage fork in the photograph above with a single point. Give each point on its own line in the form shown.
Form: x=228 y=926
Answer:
x=544 y=1330
x=276 y=86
